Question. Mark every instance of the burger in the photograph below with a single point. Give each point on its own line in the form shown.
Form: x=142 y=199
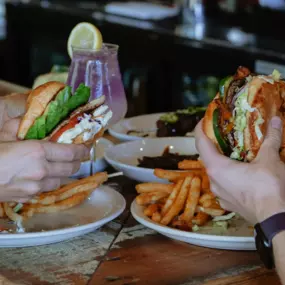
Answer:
x=53 y=113
x=237 y=118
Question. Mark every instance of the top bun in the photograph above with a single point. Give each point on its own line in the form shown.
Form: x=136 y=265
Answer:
x=267 y=99
x=37 y=102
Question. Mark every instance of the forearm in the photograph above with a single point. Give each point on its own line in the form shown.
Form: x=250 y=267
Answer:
x=279 y=255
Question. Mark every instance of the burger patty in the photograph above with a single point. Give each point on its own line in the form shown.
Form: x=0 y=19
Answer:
x=233 y=90
x=226 y=108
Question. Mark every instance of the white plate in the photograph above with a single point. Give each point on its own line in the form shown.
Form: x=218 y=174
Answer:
x=100 y=163
x=124 y=157
x=144 y=123
x=104 y=205
x=236 y=238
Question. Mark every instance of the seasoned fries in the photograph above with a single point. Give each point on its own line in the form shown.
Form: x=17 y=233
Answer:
x=147 y=198
x=192 y=200
x=184 y=203
x=179 y=202
x=190 y=164
x=149 y=187
x=201 y=219
x=61 y=199
x=174 y=176
x=172 y=197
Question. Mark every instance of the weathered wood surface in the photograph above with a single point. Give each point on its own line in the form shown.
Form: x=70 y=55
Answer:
x=140 y=256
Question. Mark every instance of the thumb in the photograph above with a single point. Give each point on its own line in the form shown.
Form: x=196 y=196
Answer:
x=3 y=113
x=9 y=130
x=207 y=150
x=273 y=139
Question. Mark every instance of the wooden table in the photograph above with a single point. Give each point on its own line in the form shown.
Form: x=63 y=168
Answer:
x=126 y=253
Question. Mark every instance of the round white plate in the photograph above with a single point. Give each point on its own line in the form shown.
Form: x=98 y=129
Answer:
x=104 y=205
x=145 y=124
x=124 y=157
x=99 y=164
x=239 y=237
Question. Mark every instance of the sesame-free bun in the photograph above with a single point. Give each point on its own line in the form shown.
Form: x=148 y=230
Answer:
x=37 y=102
x=267 y=99
x=208 y=122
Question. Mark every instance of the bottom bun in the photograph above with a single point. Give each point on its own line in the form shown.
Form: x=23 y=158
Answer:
x=207 y=124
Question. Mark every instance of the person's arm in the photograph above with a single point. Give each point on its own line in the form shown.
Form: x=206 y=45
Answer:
x=279 y=255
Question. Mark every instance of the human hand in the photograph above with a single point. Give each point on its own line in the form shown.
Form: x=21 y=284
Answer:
x=255 y=190
x=9 y=130
x=30 y=167
x=8 y=123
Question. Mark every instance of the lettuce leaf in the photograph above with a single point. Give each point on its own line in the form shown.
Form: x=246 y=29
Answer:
x=58 y=110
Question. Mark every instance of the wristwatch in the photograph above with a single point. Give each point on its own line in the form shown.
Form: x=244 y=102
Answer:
x=264 y=234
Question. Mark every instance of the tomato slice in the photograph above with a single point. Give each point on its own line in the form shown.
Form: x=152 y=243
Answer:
x=71 y=124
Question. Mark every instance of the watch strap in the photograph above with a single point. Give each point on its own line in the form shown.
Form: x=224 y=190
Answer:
x=272 y=226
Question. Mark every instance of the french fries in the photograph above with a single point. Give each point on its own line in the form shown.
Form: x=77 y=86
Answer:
x=63 y=198
x=159 y=187
x=192 y=200
x=185 y=202
x=190 y=164
x=201 y=219
x=179 y=202
x=174 y=176
x=147 y=198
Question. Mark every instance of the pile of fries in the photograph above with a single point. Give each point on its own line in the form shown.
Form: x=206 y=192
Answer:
x=63 y=198
x=184 y=202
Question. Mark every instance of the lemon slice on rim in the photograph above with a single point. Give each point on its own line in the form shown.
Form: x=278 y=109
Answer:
x=84 y=35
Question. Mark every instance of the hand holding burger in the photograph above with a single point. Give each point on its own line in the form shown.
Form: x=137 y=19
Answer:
x=54 y=131
x=245 y=123
x=254 y=190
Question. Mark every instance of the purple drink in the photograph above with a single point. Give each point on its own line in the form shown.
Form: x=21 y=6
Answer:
x=100 y=71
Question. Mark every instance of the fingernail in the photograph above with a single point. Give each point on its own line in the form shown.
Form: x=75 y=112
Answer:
x=276 y=123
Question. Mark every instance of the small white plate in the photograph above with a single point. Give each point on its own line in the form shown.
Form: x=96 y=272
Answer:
x=145 y=124
x=103 y=206
x=100 y=163
x=236 y=238
x=124 y=157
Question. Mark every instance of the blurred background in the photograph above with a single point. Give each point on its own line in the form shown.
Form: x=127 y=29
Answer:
x=172 y=53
